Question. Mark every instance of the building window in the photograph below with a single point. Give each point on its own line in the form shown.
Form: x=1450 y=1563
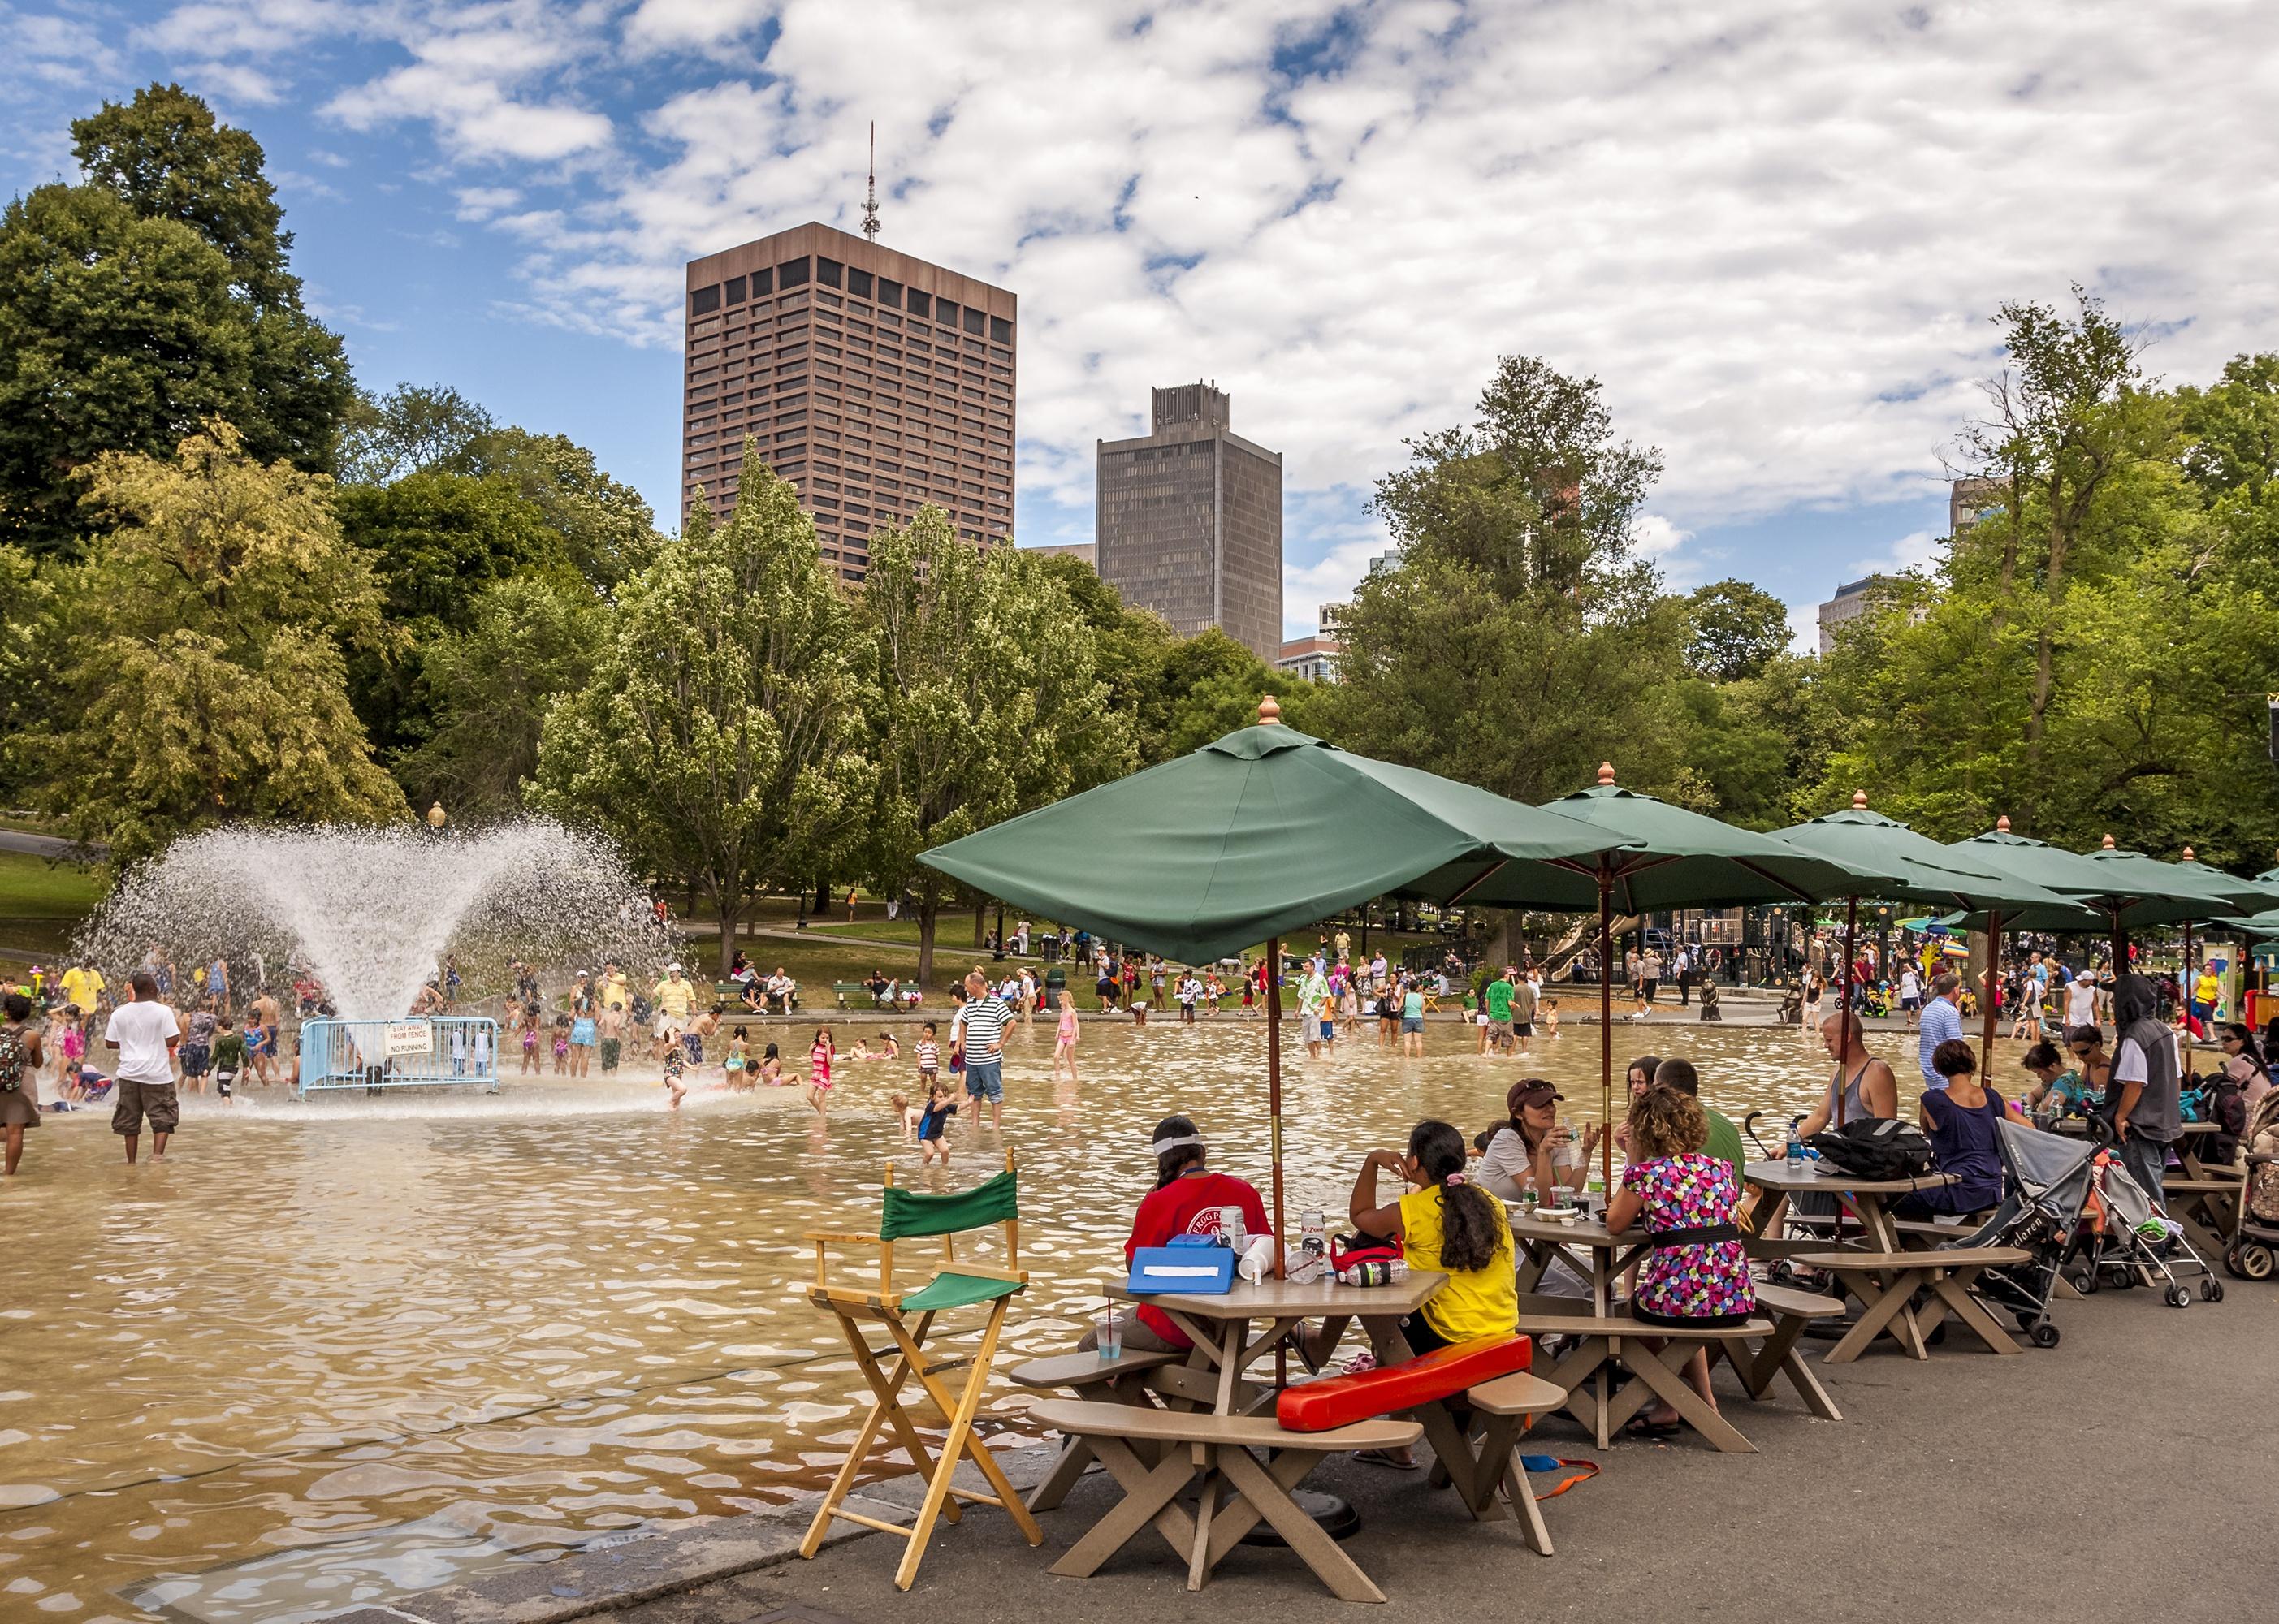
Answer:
x=973 y=319
x=830 y=273
x=916 y=302
x=764 y=282
x=704 y=300
x=1001 y=330
x=945 y=312
x=735 y=290
x=792 y=274
x=890 y=293
x=858 y=283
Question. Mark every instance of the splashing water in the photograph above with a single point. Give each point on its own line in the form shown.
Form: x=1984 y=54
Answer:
x=371 y=912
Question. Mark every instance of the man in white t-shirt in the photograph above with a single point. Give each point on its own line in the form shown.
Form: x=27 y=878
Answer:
x=1910 y=993
x=2081 y=1002
x=145 y=1033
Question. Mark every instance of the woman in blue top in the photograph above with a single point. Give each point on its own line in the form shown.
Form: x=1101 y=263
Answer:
x=1961 y=1120
x=1412 y=1019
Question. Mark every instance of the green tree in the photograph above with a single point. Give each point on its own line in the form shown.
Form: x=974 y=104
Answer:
x=488 y=688
x=607 y=531
x=1520 y=639
x=28 y=656
x=150 y=298
x=989 y=700
x=206 y=683
x=414 y=428
x=1738 y=630
x=720 y=736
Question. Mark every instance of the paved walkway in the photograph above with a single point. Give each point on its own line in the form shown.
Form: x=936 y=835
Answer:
x=2117 y=1477
x=37 y=845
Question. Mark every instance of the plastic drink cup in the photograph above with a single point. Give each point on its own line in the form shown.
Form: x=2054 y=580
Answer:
x=1111 y=1336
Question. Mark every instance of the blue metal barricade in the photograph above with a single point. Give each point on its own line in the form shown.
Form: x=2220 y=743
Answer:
x=429 y=1051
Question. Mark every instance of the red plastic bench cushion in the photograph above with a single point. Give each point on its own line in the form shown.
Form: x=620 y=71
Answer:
x=1318 y=1406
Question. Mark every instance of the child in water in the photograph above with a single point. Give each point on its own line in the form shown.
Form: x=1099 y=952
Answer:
x=818 y=1069
x=933 y=1126
x=771 y=1067
x=739 y=1049
x=1065 y=1040
x=906 y=1116
x=675 y=1062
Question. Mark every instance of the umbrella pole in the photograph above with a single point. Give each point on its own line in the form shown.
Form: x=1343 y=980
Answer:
x=1851 y=933
x=1274 y=1083
x=2184 y=983
x=1986 y=1004
x=1605 y=1025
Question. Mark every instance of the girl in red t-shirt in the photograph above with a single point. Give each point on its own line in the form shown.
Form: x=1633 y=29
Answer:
x=1186 y=1200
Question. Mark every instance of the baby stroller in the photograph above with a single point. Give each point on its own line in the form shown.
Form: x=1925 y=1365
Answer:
x=2124 y=1240
x=2252 y=1250
x=2046 y=1191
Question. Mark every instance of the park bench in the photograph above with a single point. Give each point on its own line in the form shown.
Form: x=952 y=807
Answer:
x=1088 y=1377
x=1312 y=1421
x=1598 y=1343
x=1886 y=1284
x=859 y=989
x=2207 y=1207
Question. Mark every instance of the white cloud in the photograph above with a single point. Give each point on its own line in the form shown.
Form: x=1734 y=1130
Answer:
x=1774 y=232
x=1920 y=550
x=480 y=202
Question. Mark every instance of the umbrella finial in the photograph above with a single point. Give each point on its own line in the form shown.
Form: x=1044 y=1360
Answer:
x=1605 y=772
x=1270 y=714
x=2188 y=855
x=2002 y=823
x=1858 y=800
x=2109 y=843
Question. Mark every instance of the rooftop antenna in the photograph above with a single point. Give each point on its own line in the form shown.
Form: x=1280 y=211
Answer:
x=871 y=200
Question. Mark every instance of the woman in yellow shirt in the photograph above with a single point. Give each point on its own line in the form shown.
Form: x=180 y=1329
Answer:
x=1447 y=1224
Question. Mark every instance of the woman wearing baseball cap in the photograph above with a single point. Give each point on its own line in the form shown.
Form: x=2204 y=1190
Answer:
x=1534 y=1150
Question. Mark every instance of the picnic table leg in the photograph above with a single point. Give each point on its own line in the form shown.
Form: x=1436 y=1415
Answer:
x=1667 y=1382
x=1197 y=1567
x=1882 y=1231
x=1534 y=1262
x=1953 y=1289
x=1501 y=1472
x=1332 y=1566
x=1150 y=1495
x=1764 y=1216
x=1453 y=1459
x=1890 y=1303
x=1076 y=1454
x=1288 y=1467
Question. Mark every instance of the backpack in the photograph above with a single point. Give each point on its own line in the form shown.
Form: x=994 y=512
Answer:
x=1875 y=1147
x=11 y=1062
x=2226 y=1106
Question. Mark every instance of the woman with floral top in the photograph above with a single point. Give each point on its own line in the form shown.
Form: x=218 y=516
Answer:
x=1697 y=1273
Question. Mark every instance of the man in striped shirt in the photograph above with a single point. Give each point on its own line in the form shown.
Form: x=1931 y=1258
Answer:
x=979 y=1035
x=1942 y=1020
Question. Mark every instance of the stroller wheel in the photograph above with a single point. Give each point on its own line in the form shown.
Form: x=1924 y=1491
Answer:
x=2250 y=1261
x=2083 y=1281
x=2178 y=1297
x=2126 y=1278
x=2210 y=1289
x=2045 y=1335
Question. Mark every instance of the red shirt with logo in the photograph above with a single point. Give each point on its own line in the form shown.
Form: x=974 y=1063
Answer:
x=1189 y=1205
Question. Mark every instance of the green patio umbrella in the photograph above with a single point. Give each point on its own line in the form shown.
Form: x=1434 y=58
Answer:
x=2256 y=895
x=1258 y=833
x=2219 y=894
x=1924 y=871
x=1676 y=858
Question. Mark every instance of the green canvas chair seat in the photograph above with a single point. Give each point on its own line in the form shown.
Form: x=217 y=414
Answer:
x=908 y=1318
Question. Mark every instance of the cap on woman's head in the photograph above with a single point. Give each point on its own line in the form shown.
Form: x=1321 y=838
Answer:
x=1530 y=1092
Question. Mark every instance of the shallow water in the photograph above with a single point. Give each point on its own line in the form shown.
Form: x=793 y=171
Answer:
x=333 y=1352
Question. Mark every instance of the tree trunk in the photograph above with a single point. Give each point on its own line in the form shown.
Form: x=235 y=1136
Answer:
x=929 y=910
x=731 y=915
x=980 y=920
x=2045 y=650
x=822 y=909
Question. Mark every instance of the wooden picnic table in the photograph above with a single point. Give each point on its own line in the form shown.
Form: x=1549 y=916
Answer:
x=1593 y=1251
x=2203 y=1197
x=1776 y=1182
x=1219 y=1327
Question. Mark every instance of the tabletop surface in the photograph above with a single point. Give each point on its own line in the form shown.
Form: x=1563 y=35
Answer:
x=1282 y=1299
x=1581 y=1232
x=1779 y=1175
x=2079 y=1126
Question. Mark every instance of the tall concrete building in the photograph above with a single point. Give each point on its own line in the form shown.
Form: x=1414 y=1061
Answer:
x=1189 y=521
x=871 y=380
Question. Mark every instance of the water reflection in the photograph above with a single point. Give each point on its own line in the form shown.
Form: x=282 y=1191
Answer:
x=333 y=1352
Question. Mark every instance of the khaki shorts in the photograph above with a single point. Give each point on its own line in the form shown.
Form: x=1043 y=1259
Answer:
x=157 y=1100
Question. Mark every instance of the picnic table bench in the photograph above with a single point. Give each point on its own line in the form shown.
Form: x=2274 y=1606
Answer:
x=1603 y=1342
x=1094 y=1379
x=1790 y=1311
x=1886 y=1284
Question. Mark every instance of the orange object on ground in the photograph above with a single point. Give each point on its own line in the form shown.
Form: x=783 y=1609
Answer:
x=1318 y=1406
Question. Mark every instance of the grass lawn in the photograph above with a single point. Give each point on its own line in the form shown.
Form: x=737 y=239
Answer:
x=42 y=904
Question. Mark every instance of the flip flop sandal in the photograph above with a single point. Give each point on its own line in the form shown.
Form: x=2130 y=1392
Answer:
x=1387 y=1458
x=1653 y=1431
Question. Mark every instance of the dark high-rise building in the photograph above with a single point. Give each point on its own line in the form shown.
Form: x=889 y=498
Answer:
x=873 y=381
x=1189 y=521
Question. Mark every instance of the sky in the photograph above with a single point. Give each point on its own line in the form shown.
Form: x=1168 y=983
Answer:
x=1776 y=231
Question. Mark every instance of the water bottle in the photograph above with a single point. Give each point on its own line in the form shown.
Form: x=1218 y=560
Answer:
x=1795 y=1150
x=1594 y=1191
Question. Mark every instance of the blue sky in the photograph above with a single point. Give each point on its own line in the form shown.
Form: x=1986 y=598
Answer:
x=1775 y=230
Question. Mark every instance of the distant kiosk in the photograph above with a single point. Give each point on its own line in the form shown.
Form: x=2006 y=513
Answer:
x=417 y=1051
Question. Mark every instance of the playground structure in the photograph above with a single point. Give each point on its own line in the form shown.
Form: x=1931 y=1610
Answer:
x=426 y=1052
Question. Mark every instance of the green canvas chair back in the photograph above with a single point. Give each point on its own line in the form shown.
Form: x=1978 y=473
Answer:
x=910 y=1213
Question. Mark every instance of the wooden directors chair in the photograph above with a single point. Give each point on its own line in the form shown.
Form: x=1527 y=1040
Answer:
x=909 y=1214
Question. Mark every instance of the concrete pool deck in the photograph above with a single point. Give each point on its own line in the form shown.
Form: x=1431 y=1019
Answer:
x=2119 y=1476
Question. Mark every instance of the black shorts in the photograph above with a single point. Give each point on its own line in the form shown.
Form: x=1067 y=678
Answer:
x=1647 y=989
x=1522 y=1028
